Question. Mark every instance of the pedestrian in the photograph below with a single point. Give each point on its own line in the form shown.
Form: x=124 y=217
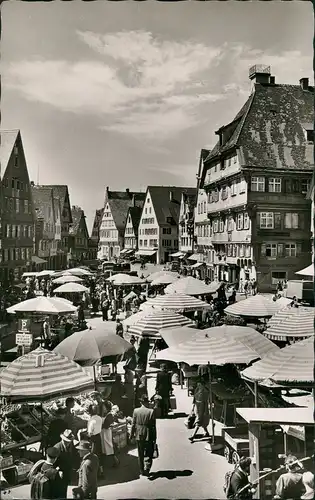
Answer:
x=113 y=309
x=143 y=352
x=254 y=286
x=239 y=480
x=163 y=388
x=105 y=307
x=88 y=472
x=69 y=416
x=246 y=288
x=81 y=317
x=129 y=390
x=107 y=434
x=46 y=335
x=308 y=482
x=119 y=329
x=290 y=484
x=46 y=478
x=201 y=405
x=143 y=429
x=68 y=459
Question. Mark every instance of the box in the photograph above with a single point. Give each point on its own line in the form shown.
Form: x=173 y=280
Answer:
x=6 y=461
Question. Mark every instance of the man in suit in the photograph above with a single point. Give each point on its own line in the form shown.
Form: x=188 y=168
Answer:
x=143 y=429
x=239 y=481
x=88 y=472
x=163 y=388
x=68 y=458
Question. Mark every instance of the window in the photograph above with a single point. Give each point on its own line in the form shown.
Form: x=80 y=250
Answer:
x=149 y=210
x=242 y=186
x=167 y=230
x=215 y=226
x=8 y=232
x=310 y=135
x=241 y=250
x=234 y=250
x=145 y=243
x=247 y=251
x=198 y=208
x=26 y=206
x=235 y=159
x=290 y=250
x=291 y=221
x=140 y=243
x=274 y=185
x=18 y=231
x=17 y=205
x=258 y=184
x=305 y=184
x=224 y=193
x=246 y=221
x=16 y=161
x=239 y=222
x=271 y=249
x=221 y=226
x=266 y=220
x=230 y=224
x=145 y=210
x=234 y=188
x=205 y=207
x=13 y=183
x=278 y=276
x=229 y=250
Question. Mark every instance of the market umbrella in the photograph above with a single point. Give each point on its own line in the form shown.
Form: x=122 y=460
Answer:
x=89 y=346
x=307 y=271
x=158 y=274
x=134 y=318
x=154 y=321
x=175 y=336
x=293 y=365
x=67 y=279
x=41 y=375
x=125 y=279
x=71 y=288
x=293 y=323
x=130 y=296
x=43 y=305
x=257 y=306
x=164 y=279
x=175 y=302
x=45 y=273
x=252 y=338
x=191 y=286
x=79 y=271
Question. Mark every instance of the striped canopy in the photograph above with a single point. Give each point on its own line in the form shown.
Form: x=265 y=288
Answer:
x=203 y=349
x=154 y=321
x=41 y=375
x=71 y=288
x=175 y=302
x=89 y=346
x=125 y=279
x=291 y=323
x=67 y=279
x=157 y=274
x=164 y=279
x=175 y=336
x=257 y=306
x=191 y=286
x=253 y=339
x=293 y=364
x=43 y=305
x=134 y=318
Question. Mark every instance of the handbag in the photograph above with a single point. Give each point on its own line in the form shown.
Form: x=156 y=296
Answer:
x=173 y=402
x=191 y=419
x=155 y=451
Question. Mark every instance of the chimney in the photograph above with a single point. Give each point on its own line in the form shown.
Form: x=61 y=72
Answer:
x=272 y=80
x=133 y=200
x=127 y=190
x=260 y=74
x=32 y=183
x=304 y=83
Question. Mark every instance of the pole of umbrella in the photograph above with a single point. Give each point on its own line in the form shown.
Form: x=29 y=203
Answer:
x=256 y=393
x=94 y=376
x=211 y=404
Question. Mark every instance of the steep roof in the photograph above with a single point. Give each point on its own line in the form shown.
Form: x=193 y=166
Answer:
x=42 y=195
x=120 y=202
x=77 y=214
x=8 y=139
x=269 y=128
x=163 y=206
x=135 y=214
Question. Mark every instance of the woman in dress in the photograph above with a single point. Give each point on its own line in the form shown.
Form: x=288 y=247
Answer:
x=201 y=404
x=107 y=435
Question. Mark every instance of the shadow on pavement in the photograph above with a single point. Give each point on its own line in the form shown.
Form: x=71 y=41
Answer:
x=170 y=474
x=127 y=470
x=177 y=415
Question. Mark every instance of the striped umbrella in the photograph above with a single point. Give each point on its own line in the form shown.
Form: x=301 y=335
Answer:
x=291 y=323
x=41 y=375
x=79 y=271
x=252 y=338
x=191 y=286
x=154 y=321
x=71 y=288
x=175 y=336
x=293 y=364
x=135 y=318
x=164 y=279
x=175 y=302
x=43 y=305
x=157 y=274
x=257 y=306
x=67 y=279
x=203 y=349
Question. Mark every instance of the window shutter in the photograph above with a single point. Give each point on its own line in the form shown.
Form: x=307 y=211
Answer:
x=277 y=217
x=280 y=250
x=298 y=249
x=263 y=249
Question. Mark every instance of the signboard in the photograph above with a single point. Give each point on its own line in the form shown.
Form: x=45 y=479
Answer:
x=23 y=339
x=24 y=326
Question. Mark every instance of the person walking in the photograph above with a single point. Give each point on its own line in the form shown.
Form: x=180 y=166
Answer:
x=143 y=430
x=88 y=472
x=201 y=404
x=163 y=388
x=46 y=479
x=105 y=307
x=68 y=459
x=141 y=386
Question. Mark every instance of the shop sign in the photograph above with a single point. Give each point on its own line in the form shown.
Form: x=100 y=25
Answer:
x=24 y=326
x=23 y=339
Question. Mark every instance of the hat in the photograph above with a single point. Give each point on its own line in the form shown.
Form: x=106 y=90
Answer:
x=67 y=435
x=52 y=452
x=84 y=446
x=95 y=393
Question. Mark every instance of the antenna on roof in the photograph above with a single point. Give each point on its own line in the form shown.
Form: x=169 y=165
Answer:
x=37 y=175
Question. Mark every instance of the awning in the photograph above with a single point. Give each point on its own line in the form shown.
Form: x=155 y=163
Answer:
x=198 y=264
x=307 y=271
x=124 y=251
x=177 y=254
x=145 y=253
x=196 y=256
x=38 y=260
x=29 y=275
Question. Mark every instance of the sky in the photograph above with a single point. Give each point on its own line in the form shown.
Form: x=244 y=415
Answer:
x=125 y=94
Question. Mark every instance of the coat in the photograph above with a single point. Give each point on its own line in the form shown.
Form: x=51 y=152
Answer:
x=144 y=424
x=88 y=475
x=163 y=384
x=239 y=479
x=67 y=461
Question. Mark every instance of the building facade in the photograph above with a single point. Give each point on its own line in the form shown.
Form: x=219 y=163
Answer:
x=186 y=223
x=159 y=225
x=132 y=230
x=203 y=248
x=17 y=212
x=45 y=242
x=256 y=178
x=112 y=230
x=78 y=237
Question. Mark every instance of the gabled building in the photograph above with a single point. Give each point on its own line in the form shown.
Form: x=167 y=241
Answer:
x=310 y=196
x=62 y=193
x=256 y=178
x=158 y=228
x=131 y=230
x=56 y=254
x=17 y=213
x=78 y=237
x=112 y=231
x=45 y=243
x=186 y=222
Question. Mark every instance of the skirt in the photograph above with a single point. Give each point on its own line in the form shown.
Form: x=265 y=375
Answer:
x=96 y=444
x=107 y=442
x=203 y=414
